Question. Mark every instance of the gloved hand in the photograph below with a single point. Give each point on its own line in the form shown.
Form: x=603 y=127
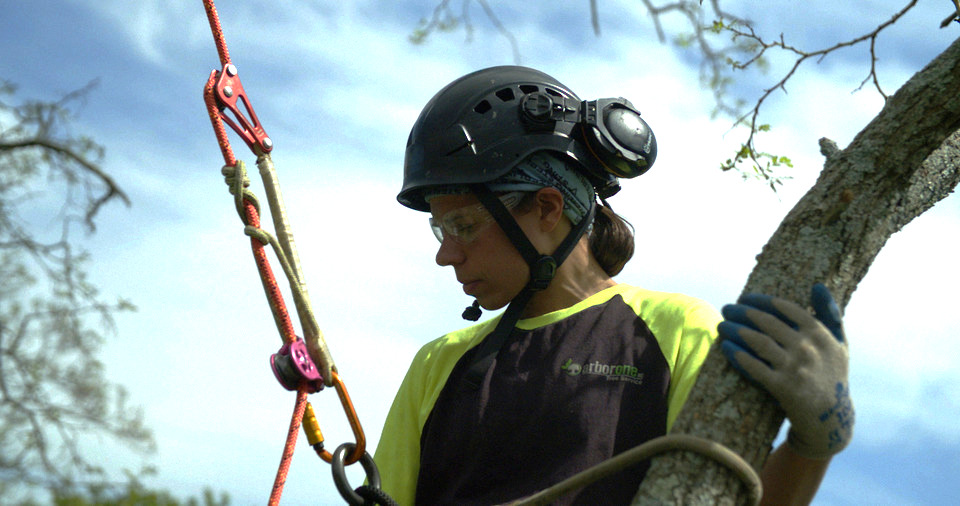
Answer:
x=799 y=359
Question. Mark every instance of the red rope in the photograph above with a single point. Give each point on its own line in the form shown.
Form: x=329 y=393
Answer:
x=217 y=31
x=270 y=286
x=289 y=446
x=214 y=112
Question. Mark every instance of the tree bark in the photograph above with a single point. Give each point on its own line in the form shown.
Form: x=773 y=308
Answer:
x=902 y=163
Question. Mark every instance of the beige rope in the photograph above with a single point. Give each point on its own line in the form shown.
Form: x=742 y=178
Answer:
x=312 y=335
x=237 y=182
x=285 y=251
x=670 y=442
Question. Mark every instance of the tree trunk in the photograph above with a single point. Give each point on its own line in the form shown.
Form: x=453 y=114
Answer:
x=903 y=162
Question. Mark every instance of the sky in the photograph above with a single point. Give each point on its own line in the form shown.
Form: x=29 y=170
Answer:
x=337 y=87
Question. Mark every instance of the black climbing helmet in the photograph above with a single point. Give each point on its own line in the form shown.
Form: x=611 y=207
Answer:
x=480 y=126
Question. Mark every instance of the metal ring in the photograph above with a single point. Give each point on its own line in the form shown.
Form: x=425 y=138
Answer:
x=340 y=476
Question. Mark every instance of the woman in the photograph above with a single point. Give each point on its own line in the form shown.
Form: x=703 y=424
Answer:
x=509 y=162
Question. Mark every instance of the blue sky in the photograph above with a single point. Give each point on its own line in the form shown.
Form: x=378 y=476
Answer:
x=337 y=87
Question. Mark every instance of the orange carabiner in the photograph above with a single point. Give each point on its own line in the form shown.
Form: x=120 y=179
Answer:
x=351 y=413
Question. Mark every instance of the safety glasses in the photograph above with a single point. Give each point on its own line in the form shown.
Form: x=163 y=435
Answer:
x=465 y=224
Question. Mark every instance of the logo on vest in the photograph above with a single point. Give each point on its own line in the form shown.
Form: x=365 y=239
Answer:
x=611 y=372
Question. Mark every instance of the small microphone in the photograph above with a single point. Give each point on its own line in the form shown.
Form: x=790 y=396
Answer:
x=473 y=312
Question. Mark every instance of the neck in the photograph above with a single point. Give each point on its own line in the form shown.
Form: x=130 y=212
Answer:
x=579 y=277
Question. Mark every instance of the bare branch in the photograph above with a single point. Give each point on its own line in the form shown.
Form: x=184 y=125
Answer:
x=594 y=17
x=54 y=392
x=954 y=16
x=444 y=20
x=744 y=49
x=865 y=193
x=750 y=118
x=113 y=190
x=503 y=31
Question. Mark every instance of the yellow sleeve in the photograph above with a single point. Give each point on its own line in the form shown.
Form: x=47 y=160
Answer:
x=398 y=452
x=685 y=328
x=698 y=333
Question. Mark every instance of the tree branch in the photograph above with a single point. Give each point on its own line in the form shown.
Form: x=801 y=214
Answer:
x=594 y=17
x=502 y=29
x=903 y=162
x=53 y=390
x=748 y=149
x=444 y=20
x=113 y=190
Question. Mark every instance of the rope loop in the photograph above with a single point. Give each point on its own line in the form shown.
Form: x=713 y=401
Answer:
x=224 y=98
x=633 y=456
x=375 y=496
x=229 y=175
x=237 y=183
x=259 y=234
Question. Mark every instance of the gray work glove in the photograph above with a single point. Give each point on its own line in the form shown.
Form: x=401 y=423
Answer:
x=801 y=360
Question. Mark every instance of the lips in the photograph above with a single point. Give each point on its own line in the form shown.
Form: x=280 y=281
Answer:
x=470 y=286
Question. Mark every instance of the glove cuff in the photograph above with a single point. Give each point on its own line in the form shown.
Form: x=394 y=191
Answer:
x=822 y=450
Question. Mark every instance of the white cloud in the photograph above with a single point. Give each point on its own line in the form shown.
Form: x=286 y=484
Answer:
x=154 y=27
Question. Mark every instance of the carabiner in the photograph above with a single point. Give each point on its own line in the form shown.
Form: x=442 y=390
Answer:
x=348 y=409
x=340 y=475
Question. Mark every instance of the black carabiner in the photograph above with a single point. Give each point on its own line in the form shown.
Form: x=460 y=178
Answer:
x=372 y=489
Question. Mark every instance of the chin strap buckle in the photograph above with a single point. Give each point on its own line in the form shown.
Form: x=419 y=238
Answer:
x=542 y=272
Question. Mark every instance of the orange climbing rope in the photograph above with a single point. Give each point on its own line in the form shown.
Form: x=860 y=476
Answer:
x=304 y=366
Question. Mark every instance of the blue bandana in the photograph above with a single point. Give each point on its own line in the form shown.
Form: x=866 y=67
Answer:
x=539 y=170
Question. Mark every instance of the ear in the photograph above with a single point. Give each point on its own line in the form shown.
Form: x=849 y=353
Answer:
x=550 y=206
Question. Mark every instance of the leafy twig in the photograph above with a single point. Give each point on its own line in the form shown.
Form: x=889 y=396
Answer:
x=750 y=118
x=444 y=20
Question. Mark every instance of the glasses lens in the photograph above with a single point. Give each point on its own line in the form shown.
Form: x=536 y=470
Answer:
x=437 y=229
x=465 y=224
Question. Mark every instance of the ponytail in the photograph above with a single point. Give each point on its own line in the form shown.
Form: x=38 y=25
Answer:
x=611 y=241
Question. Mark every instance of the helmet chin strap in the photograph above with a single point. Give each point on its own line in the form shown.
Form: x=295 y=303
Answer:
x=542 y=270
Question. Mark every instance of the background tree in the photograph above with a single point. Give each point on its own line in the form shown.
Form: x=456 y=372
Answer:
x=134 y=493
x=902 y=163
x=727 y=45
x=57 y=403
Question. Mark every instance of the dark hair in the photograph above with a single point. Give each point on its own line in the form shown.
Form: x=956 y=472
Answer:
x=611 y=241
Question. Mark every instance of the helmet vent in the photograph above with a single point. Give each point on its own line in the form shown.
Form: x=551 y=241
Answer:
x=482 y=107
x=553 y=92
x=529 y=88
x=506 y=94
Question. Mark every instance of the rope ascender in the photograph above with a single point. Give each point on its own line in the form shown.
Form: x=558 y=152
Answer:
x=302 y=365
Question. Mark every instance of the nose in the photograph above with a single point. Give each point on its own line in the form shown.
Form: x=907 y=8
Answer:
x=450 y=252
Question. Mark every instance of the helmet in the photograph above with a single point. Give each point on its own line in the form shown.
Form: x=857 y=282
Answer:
x=480 y=126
